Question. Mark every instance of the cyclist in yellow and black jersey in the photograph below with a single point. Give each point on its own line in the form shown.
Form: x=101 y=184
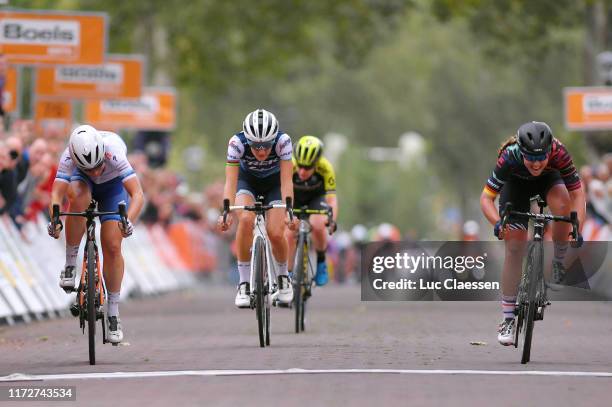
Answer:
x=314 y=185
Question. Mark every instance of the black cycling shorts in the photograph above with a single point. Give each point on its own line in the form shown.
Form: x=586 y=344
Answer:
x=519 y=192
x=269 y=187
x=317 y=203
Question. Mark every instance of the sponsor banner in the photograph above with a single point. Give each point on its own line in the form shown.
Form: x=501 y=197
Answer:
x=121 y=76
x=10 y=94
x=154 y=110
x=588 y=108
x=45 y=37
x=53 y=116
x=472 y=271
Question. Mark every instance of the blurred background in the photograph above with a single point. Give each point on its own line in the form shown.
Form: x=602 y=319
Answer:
x=412 y=98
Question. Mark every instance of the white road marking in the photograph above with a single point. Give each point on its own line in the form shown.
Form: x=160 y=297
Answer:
x=20 y=377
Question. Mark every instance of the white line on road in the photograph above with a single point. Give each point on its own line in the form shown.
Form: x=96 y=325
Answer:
x=20 y=377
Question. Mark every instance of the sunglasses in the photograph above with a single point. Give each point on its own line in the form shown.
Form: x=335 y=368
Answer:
x=533 y=158
x=14 y=154
x=307 y=168
x=261 y=146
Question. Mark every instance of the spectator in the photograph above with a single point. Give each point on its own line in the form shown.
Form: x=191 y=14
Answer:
x=8 y=179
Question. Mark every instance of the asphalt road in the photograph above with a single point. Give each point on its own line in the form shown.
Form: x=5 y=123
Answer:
x=199 y=350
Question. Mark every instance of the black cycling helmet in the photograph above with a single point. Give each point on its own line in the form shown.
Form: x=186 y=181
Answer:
x=534 y=138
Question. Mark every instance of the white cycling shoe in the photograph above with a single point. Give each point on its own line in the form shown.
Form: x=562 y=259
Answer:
x=284 y=293
x=243 y=296
x=68 y=278
x=115 y=333
x=506 y=330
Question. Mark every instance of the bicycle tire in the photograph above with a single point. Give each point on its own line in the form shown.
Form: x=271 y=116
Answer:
x=298 y=271
x=534 y=265
x=90 y=280
x=259 y=266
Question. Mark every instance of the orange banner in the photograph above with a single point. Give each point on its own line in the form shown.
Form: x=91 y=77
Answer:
x=121 y=76
x=155 y=110
x=9 y=95
x=53 y=116
x=46 y=37
x=588 y=108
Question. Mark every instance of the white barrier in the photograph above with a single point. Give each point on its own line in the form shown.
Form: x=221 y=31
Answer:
x=30 y=263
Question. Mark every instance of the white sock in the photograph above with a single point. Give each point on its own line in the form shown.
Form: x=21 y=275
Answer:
x=244 y=269
x=72 y=252
x=113 y=304
x=281 y=268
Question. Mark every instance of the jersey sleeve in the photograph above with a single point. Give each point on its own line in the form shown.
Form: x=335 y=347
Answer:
x=124 y=168
x=329 y=175
x=499 y=176
x=65 y=168
x=284 y=149
x=562 y=161
x=235 y=151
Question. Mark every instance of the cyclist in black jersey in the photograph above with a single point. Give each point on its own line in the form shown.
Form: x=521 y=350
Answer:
x=314 y=185
x=530 y=163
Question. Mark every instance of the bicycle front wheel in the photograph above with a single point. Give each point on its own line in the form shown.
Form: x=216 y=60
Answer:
x=259 y=268
x=534 y=269
x=90 y=280
x=298 y=273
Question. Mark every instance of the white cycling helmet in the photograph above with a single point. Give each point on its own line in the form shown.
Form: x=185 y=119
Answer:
x=86 y=147
x=260 y=126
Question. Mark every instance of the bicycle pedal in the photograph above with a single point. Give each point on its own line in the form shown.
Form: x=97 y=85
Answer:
x=68 y=290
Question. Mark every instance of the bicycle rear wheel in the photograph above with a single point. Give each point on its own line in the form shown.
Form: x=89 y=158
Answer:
x=90 y=280
x=298 y=272
x=260 y=295
x=534 y=268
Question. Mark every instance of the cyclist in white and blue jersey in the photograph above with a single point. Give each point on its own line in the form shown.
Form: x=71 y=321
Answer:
x=259 y=163
x=95 y=166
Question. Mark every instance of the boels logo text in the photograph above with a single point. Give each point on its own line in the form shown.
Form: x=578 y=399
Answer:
x=39 y=32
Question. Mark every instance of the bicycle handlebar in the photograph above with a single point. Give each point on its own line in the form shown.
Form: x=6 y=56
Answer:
x=90 y=213
x=258 y=207
x=573 y=218
x=328 y=212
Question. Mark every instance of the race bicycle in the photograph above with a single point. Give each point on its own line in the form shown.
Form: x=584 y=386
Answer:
x=91 y=292
x=303 y=271
x=531 y=298
x=261 y=279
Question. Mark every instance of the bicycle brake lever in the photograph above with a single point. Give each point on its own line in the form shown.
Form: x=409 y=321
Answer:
x=55 y=214
x=226 y=207
x=289 y=208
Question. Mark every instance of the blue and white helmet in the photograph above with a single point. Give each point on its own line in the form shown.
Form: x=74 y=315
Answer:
x=86 y=147
x=260 y=126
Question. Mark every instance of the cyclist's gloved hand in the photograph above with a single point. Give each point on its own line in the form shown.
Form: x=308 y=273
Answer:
x=333 y=226
x=223 y=226
x=578 y=242
x=55 y=230
x=497 y=230
x=127 y=229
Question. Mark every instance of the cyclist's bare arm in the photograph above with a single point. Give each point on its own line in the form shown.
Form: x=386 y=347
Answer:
x=487 y=205
x=229 y=192
x=578 y=204
x=231 y=182
x=286 y=174
x=58 y=192
x=134 y=190
x=332 y=201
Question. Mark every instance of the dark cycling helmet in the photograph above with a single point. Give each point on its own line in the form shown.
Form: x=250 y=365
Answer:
x=534 y=138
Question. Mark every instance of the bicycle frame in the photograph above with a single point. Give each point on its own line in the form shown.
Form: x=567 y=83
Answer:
x=259 y=232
